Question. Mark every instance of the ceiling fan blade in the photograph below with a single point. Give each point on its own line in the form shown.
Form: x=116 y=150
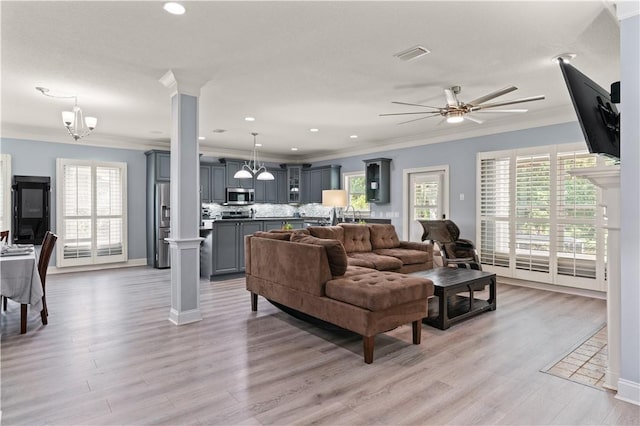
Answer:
x=515 y=101
x=418 y=105
x=452 y=100
x=475 y=120
x=482 y=111
x=416 y=119
x=492 y=95
x=444 y=119
x=409 y=113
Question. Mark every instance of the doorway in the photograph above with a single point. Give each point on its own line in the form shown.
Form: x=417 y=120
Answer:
x=426 y=196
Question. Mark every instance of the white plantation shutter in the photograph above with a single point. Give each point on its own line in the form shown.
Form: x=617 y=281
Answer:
x=533 y=212
x=552 y=220
x=576 y=236
x=93 y=219
x=494 y=211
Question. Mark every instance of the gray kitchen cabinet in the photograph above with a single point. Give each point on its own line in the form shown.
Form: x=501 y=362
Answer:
x=317 y=179
x=232 y=166
x=212 y=183
x=205 y=184
x=294 y=184
x=281 y=187
x=163 y=166
x=267 y=190
x=228 y=245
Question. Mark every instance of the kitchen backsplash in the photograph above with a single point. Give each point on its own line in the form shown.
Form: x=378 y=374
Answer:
x=271 y=210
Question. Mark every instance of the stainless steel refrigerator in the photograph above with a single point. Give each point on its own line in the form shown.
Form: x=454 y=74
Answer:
x=162 y=225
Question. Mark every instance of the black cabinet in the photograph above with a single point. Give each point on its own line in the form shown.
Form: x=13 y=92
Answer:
x=212 y=183
x=377 y=172
x=317 y=179
x=228 y=245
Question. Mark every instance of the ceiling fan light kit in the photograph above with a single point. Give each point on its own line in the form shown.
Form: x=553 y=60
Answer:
x=457 y=111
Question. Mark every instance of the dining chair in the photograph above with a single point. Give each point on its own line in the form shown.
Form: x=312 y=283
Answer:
x=48 y=244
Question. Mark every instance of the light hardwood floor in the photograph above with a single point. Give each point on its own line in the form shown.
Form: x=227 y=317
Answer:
x=110 y=356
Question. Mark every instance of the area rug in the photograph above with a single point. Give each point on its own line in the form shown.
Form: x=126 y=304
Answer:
x=585 y=363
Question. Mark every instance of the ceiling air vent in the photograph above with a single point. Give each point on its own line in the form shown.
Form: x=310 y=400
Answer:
x=412 y=53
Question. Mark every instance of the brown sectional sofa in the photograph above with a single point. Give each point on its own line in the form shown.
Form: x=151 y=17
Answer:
x=377 y=246
x=316 y=277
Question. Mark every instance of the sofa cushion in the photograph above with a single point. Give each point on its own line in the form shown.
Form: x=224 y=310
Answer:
x=285 y=236
x=335 y=251
x=363 y=263
x=407 y=256
x=327 y=232
x=377 y=291
x=378 y=261
x=357 y=238
x=353 y=270
x=383 y=236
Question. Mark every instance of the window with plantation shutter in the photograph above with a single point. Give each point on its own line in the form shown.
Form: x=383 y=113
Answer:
x=91 y=212
x=494 y=211
x=536 y=221
x=5 y=192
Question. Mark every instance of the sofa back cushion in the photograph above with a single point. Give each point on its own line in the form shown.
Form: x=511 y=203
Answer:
x=335 y=251
x=383 y=236
x=357 y=238
x=327 y=232
x=285 y=236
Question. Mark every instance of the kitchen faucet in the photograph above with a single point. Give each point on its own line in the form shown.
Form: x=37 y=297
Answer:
x=346 y=210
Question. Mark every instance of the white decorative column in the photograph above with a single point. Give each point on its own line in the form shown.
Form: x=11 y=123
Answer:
x=608 y=179
x=185 y=198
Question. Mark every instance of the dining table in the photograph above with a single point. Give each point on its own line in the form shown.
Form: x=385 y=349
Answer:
x=20 y=280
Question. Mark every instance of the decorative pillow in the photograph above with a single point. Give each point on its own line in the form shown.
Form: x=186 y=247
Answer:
x=327 y=232
x=334 y=248
x=284 y=236
x=383 y=236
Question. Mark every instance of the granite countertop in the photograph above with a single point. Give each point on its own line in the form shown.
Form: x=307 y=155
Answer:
x=285 y=218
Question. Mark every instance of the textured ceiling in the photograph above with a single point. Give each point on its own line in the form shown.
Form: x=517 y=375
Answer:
x=294 y=66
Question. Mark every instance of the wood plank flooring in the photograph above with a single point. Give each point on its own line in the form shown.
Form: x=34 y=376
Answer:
x=110 y=356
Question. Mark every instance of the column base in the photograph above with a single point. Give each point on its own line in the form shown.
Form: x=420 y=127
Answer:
x=611 y=380
x=184 y=317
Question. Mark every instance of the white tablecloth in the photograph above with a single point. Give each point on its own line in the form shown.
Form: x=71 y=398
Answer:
x=20 y=280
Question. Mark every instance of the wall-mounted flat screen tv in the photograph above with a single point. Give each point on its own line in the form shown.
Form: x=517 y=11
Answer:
x=598 y=117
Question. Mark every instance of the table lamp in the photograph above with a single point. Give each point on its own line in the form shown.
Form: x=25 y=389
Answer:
x=334 y=198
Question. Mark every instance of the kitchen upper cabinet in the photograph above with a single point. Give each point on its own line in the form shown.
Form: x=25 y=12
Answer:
x=212 y=183
x=267 y=190
x=163 y=166
x=294 y=184
x=282 y=187
x=317 y=179
x=232 y=166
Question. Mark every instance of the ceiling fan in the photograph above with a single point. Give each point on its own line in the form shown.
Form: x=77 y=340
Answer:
x=457 y=111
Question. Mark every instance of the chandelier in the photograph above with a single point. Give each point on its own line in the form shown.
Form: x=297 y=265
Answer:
x=74 y=121
x=253 y=167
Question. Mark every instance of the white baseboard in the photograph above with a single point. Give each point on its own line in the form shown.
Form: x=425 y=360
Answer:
x=129 y=263
x=628 y=391
x=555 y=288
x=185 y=317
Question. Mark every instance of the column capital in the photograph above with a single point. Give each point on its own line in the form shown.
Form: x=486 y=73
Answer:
x=185 y=82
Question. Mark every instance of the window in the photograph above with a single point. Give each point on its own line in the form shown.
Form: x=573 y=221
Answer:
x=355 y=185
x=5 y=192
x=538 y=222
x=91 y=211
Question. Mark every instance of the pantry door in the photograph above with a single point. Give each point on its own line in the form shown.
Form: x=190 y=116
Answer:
x=426 y=197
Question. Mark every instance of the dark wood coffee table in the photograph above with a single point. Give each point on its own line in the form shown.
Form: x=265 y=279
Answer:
x=452 y=307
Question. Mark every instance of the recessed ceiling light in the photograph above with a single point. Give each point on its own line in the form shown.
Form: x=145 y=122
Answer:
x=314 y=130
x=294 y=149
x=201 y=138
x=354 y=136
x=564 y=57
x=174 y=8
x=249 y=119
x=218 y=130
x=412 y=53
x=258 y=144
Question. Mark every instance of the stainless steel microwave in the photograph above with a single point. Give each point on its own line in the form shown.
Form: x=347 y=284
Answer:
x=240 y=196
